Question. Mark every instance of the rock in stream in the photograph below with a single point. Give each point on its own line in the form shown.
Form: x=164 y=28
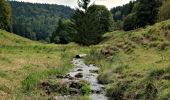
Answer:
x=87 y=73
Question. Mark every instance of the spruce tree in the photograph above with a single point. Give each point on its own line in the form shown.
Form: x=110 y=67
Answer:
x=91 y=22
x=5 y=15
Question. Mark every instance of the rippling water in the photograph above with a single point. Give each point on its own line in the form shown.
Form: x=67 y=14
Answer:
x=85 y=70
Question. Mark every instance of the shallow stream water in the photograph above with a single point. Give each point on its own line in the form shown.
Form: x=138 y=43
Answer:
x=88 y=75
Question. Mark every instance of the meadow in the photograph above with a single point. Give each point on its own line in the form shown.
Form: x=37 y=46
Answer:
x=134 y=64
x=24 y=63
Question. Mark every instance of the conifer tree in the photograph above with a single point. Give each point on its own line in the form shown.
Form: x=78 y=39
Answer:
x=91 y=22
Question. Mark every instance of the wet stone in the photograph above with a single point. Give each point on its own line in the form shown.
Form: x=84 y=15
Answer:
x=79 y=70
x=74 y=91
x=96 y=91
x=71 y=78
x=79 y=75
x=94 y=71
x=67 y=76
x=60 y=76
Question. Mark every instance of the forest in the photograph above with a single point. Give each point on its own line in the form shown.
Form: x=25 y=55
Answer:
x=37 y=21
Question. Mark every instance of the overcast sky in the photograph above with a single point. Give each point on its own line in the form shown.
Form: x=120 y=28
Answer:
x=73 y=3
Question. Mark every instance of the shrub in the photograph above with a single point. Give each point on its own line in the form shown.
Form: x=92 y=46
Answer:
x=130 y=22
x=85 y=89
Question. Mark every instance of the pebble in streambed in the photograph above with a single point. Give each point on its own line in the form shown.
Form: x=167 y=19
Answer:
x=88 y=73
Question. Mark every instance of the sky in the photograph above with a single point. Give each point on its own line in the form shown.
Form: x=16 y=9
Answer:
x=73 y=3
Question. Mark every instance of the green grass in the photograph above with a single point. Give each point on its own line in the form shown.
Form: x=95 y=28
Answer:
x=135 y=64
x=24 y=63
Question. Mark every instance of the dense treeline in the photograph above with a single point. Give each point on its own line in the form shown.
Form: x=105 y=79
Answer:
x=37 y=21
x=139 y=13
x=120 y=12
x=5 y=15
x=143 y=13
x=87 y=25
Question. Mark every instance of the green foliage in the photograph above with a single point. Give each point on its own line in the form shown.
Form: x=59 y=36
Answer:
x=118 y=25
x=30 y=83
x=143 y=13
x=103 y=17
x=120 y=12
x=64 y=90
x=32 y=80
x=64 y=33
x=37 y=21
x=91 y=24
x=85 y=89
x=130 y=22
x=164 y=11
x=5 y=15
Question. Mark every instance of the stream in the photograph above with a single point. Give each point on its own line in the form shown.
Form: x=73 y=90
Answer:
x=89 y=73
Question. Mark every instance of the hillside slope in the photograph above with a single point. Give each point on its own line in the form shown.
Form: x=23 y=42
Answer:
x=24 y=63
x=37 y=21
x=7 y=38
x=136 y=64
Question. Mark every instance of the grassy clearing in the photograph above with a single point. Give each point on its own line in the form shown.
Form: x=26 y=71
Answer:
x=135 y=64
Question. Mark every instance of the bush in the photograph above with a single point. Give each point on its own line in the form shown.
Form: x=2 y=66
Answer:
x=85 y=89
x=130 y=22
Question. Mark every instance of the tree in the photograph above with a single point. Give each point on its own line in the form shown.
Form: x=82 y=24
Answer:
x=130 y=22
x=39 y=20
x=143 y=13
x=83 y=4
x=120 y=12
x=164 y=11
x=64 y=33
x=103 y=17
x=5 y=15
x=91 y=23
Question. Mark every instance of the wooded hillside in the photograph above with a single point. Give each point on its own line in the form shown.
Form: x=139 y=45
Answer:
x=37 y=21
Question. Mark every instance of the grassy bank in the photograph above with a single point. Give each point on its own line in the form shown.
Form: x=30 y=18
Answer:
x=135 y=64
x=25 y=63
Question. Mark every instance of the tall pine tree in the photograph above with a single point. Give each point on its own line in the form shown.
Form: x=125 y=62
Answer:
x=5 y=15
